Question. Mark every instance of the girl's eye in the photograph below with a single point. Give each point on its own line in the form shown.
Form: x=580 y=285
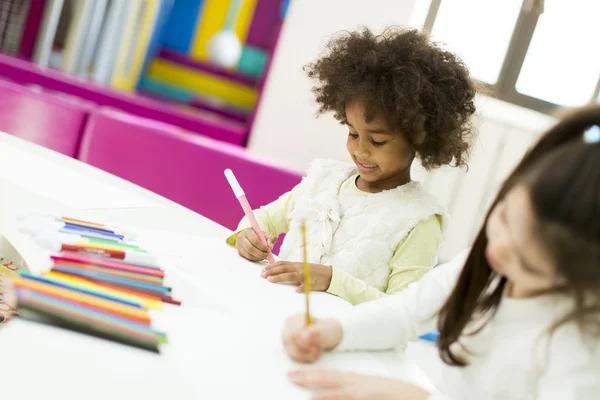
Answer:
x=378 y=143
x=353 y=135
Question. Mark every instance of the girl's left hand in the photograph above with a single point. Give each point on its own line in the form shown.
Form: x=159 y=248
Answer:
x=8 y=299
x=334 y=385
x=284 y=271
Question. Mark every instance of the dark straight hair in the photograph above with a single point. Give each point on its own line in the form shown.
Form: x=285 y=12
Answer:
x=562 y=175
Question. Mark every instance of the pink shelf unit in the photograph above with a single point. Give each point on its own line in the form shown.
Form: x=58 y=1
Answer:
x=193 y=120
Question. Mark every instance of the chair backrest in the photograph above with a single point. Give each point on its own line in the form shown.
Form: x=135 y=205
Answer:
x=52 y=121
x=181 y=166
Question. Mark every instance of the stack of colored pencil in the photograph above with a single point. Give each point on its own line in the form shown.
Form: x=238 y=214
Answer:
x=134 y=279
x=100 y=282
x=89 y=309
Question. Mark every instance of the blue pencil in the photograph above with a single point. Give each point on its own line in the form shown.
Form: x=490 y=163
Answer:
x=26 y=275
x=103 y=233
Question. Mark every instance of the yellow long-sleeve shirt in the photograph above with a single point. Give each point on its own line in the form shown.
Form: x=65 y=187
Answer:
x=413 y=257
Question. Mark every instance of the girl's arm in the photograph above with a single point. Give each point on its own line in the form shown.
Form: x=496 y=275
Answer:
x=394 y=320
x=415 y=256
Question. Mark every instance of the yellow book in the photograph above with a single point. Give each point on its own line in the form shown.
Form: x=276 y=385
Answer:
x=212 y=20
x=203 y=83
x=139 y=26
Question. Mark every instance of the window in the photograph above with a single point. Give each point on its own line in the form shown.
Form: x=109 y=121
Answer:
x=539 y=54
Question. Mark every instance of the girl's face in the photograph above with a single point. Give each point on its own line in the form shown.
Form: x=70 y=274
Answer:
x=513 y=249
x=383 y=157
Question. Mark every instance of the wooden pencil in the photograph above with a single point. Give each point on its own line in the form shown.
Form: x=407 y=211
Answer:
x=306 y=275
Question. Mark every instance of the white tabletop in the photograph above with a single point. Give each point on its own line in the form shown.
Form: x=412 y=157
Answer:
x=224 y=342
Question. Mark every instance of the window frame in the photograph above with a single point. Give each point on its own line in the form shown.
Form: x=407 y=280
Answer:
x=505 y=87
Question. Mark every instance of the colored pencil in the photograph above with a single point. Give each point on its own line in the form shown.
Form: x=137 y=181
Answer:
x=128 y=282
x=80 y=289
x=144 y=299
x=118 y=274
x=306 y=275
x=89 y=321
x=111 y=307
x=110 y=264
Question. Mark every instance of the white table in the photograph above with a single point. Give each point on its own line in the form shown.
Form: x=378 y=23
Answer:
x=224 y=342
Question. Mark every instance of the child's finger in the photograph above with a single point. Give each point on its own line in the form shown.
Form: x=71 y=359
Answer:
x=271 y=240
x=312 y=335
x=306 y=351
x=302 y=343
x=252 y=252
x=255 y=240
x=316 y=379
x=301 y=356
x=277 y=268
x=300 y=340
x=277 y=264
x=293 y=277
x=244 y=253
x=332 y=394
x=241 y=251
x=305 y=355
x=298 y=350
x=309 y=339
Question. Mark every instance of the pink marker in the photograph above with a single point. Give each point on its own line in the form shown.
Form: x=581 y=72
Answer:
x=241 y=196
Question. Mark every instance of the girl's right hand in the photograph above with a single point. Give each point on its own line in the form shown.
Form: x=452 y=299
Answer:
x=251 y=248
x=8 y=298
x=307 y=343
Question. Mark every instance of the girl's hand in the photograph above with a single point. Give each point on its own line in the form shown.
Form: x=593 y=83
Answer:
x=285 y=271
x=334 y=385
x=307 y=343
x=250 y=247
x=8 y=298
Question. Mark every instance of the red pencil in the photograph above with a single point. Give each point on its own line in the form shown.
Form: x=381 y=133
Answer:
x=109 y=264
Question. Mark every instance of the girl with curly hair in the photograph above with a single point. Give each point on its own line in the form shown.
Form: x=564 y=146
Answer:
x=371 y=229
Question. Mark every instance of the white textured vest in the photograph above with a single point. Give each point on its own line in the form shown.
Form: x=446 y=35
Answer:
x=360 y=239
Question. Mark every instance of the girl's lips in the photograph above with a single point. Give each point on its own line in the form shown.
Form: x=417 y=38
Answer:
x=366 y=168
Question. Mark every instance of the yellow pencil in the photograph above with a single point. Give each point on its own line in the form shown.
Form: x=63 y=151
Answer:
x=306 y=276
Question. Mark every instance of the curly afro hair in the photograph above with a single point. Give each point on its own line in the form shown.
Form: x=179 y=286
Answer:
x=414 y=85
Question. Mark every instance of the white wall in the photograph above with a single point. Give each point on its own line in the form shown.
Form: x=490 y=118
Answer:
x=287 y=109
x=505 y=133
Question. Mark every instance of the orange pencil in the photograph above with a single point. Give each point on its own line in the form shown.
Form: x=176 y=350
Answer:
x=306 y=276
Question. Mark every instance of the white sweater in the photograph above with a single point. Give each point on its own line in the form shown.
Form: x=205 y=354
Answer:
x=350 y=231
x=512 y=357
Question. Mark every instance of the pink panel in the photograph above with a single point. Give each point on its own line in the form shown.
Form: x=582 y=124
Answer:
x=42 y=118
x=183 y=167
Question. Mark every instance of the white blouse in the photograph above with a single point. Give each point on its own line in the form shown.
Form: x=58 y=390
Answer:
x=512 y=357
